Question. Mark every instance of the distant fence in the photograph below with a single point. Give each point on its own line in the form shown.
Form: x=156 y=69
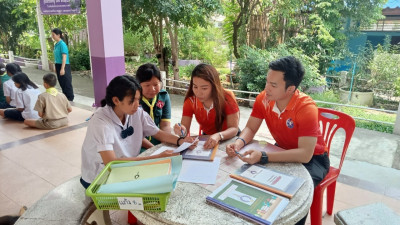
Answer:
x=396 y=125
x=22 y=61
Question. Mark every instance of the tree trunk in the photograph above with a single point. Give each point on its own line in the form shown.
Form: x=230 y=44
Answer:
x=236 y=26
x=173 y=36
x=155 y=27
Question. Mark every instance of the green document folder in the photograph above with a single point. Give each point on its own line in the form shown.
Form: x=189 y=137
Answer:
x=132 y=173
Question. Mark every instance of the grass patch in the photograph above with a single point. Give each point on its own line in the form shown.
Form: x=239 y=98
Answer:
x=330 y=96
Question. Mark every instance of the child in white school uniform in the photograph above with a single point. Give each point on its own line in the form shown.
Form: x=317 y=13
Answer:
x=116 y=130
x=9 y=88
x=25 y=99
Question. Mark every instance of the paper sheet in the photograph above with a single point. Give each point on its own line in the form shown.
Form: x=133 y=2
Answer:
x=197 y=171
x=162 y=149
x=185 y=145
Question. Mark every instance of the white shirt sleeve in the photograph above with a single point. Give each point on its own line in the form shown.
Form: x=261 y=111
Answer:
x=6 y=89
x=19 y=100
x=102 y=134
x=149 y=127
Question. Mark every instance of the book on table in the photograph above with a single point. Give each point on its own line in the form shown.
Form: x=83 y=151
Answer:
x=256 y=193
x=200 y=153
x=268 y=179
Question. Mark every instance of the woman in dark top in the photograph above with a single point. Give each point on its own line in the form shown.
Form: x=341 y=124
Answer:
x=155 y=101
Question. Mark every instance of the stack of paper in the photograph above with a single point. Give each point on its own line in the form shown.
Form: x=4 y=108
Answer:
x=148 y=176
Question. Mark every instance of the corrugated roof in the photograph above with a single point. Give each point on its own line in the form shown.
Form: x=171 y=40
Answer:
x=391 y=4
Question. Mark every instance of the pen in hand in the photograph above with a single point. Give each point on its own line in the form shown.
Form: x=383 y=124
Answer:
x=182 y=133
x=237 y=153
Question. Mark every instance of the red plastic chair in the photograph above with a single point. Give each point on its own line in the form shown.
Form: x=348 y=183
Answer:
x=330 y=121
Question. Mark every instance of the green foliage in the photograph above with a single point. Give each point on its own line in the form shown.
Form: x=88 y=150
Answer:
x=79 y=57
x=205 y=44
x=223 y=70
x=132 y=44
x=326 y=96
x=320 y=28
x=372 y=115
x=15 y=19
x=231 y=10
x=253 y=67
x=186 y=71
x=29 y=45
x=360 y=64
x=397 y=86
x=385 y=70
x=330 y=96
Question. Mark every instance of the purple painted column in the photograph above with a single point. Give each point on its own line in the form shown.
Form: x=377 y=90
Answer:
x=106 y=44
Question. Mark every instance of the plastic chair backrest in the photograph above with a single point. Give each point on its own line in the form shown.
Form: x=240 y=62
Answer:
x=330 y=121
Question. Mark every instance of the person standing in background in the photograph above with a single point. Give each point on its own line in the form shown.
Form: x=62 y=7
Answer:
x=63 y=68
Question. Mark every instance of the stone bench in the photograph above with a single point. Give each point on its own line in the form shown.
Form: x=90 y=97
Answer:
x=372 y=214
x=66 y=204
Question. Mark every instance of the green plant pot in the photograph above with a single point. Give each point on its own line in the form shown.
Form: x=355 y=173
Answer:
x=360 y=98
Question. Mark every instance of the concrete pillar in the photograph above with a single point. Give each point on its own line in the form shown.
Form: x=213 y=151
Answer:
x=42 y=38
x=396 y=129
x=10 y=56
x=104 y=19
x=163 y=79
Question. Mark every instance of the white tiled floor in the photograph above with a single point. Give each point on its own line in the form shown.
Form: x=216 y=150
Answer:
x=30 y=170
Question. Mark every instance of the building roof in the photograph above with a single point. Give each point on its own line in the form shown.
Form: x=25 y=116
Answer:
x=391 y=4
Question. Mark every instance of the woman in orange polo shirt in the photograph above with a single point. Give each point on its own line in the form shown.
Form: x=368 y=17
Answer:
x=215 y=108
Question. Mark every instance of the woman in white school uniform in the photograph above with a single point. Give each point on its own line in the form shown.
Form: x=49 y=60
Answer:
x=25 y=99
x=9 y=87
x=116 y=130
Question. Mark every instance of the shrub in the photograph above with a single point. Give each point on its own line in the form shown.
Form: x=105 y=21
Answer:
x=186 y=71
x=132 y=45
x=253 y=67
x=205 y=44
x=385 y=70
x=79 y=57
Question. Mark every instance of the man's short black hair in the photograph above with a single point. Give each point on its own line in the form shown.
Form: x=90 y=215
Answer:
x=293 y=70
x=50 y=79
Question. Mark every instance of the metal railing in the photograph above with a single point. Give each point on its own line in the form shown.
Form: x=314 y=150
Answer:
x=22 y=61
x=317 y=101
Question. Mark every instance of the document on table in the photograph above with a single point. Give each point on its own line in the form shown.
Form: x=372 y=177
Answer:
x=183 y=146
x=197 y=171
x=162 y=149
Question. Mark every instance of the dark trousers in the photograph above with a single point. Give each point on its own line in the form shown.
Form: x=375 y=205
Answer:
x=65 y=81
x=13 y=114
x=318 y=167
x=5 y=105
x=8 y=220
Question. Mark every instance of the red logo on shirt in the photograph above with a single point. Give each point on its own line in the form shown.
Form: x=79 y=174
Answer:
x=160 y=104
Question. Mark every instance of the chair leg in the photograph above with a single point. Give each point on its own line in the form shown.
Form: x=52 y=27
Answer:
x=330 y=194
x=316 y=207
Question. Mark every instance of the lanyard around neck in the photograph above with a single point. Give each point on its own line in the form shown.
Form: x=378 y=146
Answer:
x=150 y=106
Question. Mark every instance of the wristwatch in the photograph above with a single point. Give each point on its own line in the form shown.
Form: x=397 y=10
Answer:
x=264 y=158
x=221 y=136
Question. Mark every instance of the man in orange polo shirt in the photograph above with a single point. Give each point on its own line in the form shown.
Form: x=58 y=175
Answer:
x=292 y=119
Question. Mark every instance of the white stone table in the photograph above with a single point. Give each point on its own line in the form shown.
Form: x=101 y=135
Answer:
x=187 y=203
